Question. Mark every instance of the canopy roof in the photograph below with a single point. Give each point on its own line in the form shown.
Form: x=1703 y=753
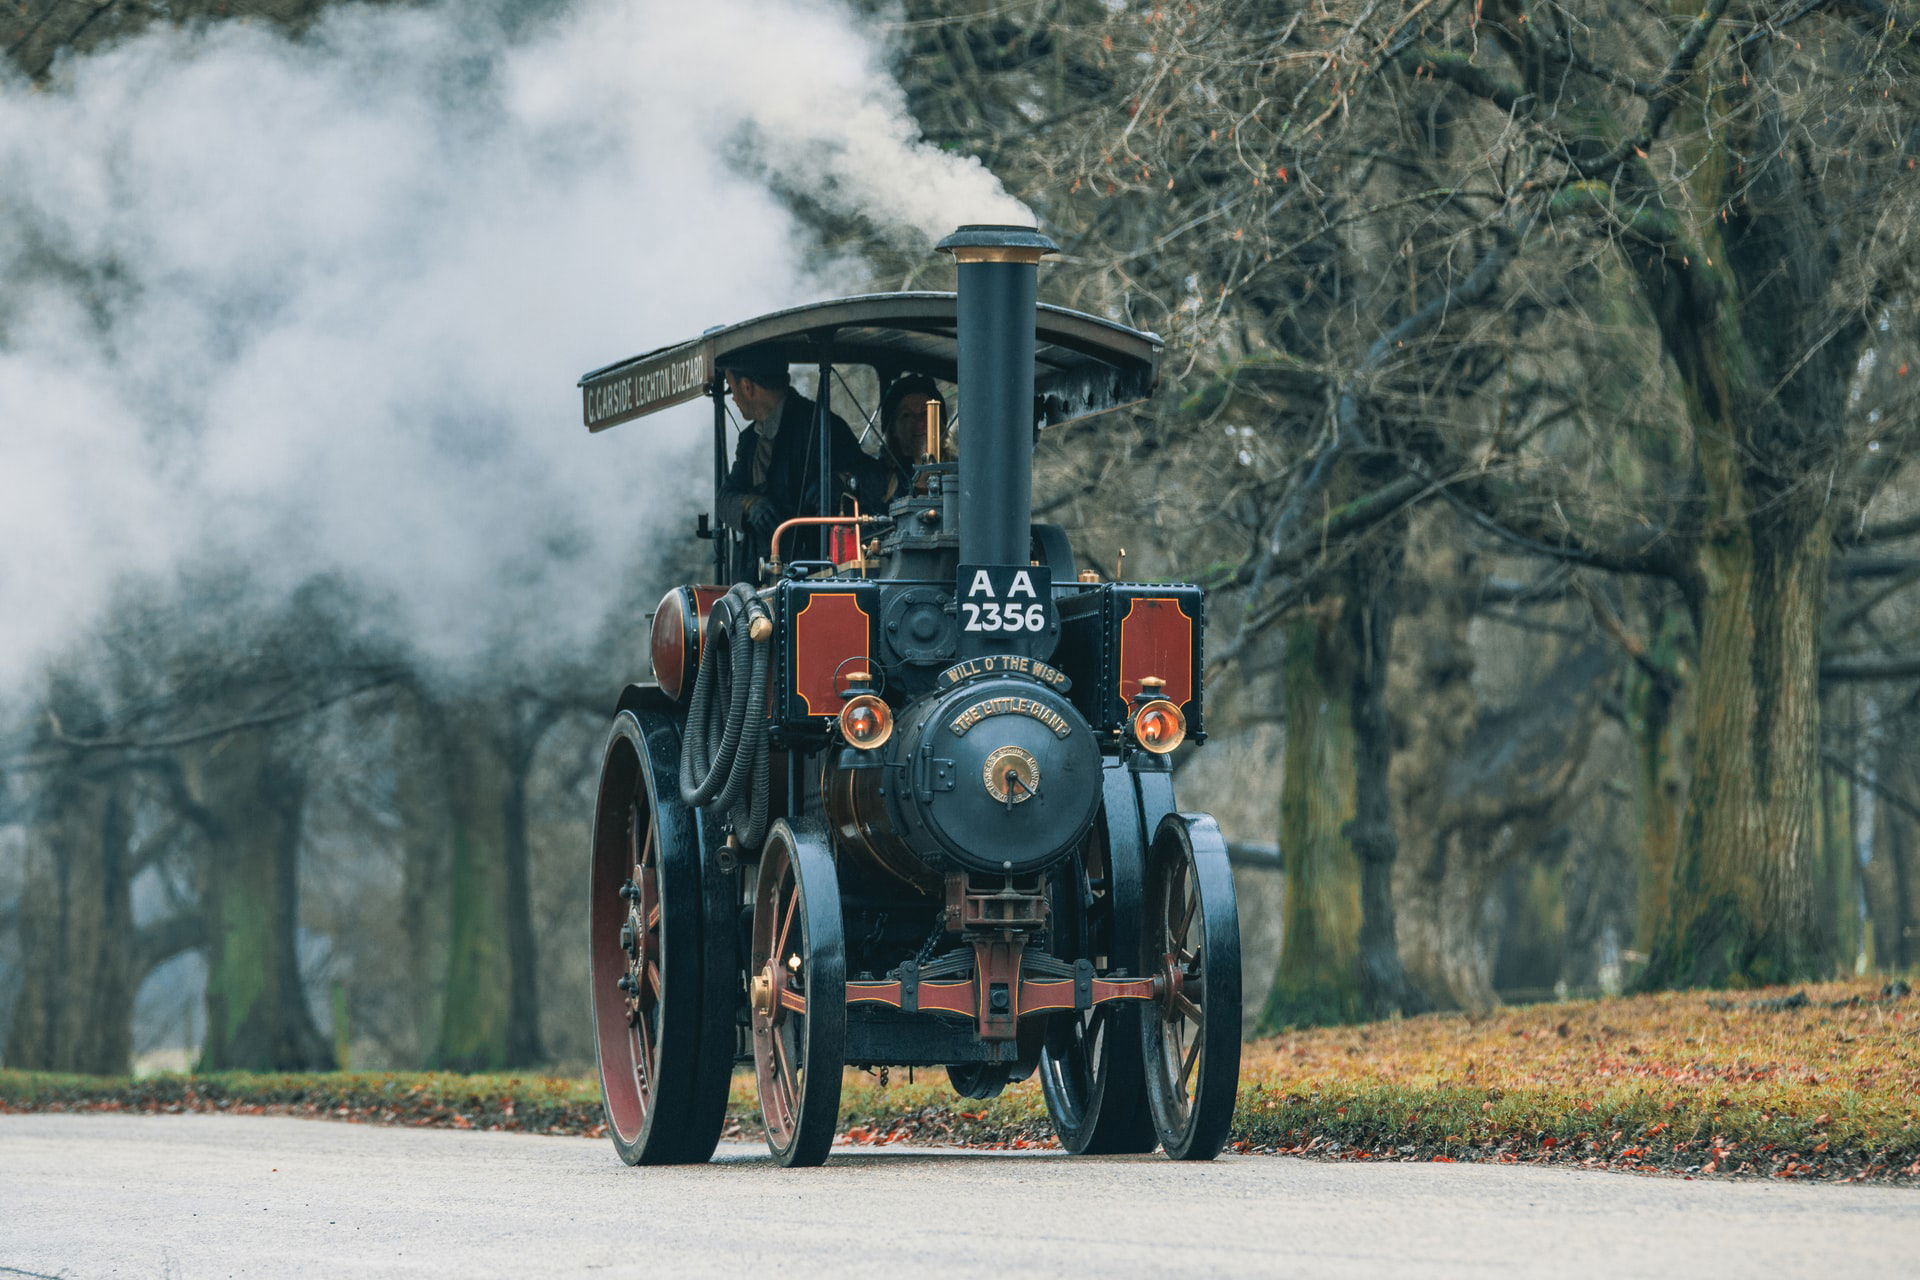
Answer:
x=1082 y=365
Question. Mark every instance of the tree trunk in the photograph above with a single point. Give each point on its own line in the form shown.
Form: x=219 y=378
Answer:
x=1735 y=265
x=421 y=800
x=1372 y=601
x=1655 y=726
x=1900 y=949
x=1459 y=945
x=1742 y=906
x=74 y=1010
x=1889 y=873
x=1319 y=976
x=1838 y=926
x=477 y=1031
x=1532 y=943
x=523 y=998
x=258 y=1017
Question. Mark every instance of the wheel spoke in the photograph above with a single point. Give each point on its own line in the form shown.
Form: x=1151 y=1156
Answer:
x=1187 y=1007
x=643 y=1058
x=794 y=1000
x=1186 y=1067
x=783 y=1078
x=647 y=880
x=1186 y=922
x=1173 y=1048
x=786 y=925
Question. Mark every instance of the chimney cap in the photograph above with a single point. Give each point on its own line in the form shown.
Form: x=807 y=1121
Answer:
x=1025 y=242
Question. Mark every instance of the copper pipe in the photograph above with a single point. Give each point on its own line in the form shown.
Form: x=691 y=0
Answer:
x=779 y=532
x=933 y=431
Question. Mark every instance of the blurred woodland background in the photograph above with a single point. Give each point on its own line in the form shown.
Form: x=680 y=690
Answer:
x=1539 y=409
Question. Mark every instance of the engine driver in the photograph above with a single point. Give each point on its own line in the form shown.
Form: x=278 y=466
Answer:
x=775 y=469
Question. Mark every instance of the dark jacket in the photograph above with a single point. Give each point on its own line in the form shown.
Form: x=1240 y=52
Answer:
x=792 y=482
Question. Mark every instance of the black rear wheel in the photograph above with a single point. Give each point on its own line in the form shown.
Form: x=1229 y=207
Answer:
x=1091 y=1071
x=646 y=934
x=1192 y=1032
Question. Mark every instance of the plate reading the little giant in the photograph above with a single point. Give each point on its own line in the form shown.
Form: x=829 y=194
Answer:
x=1008 y=599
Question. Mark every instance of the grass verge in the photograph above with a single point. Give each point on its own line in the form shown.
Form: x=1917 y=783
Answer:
x=1815 y=1082
x=527 y=1103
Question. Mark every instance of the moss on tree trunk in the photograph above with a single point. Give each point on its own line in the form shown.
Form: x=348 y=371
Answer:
x=258 y=1018
x=489 y=1006
x=1318 y=979
x=74 y=1007
x=1741 y=905
x=1655 y=722
x=1731 y=279
x=474 y=1021
x=1837 y=921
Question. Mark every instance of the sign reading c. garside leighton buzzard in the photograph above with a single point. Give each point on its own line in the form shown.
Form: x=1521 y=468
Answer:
x=616 y=395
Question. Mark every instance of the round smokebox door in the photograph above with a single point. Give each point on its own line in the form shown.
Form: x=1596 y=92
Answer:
x=1015 y=775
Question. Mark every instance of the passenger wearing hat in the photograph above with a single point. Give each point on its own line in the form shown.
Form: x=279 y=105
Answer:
x=903 y=419
x=775 y=474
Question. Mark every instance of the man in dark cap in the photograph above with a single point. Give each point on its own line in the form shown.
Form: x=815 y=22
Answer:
x=775 y=473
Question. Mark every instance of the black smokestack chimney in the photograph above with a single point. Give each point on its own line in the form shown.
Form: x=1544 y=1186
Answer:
x=996 y=270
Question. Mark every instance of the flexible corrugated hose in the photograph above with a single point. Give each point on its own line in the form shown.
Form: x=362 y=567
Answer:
x=723 y=757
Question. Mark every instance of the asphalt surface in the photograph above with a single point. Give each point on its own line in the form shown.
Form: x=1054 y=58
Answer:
x=192 y=1196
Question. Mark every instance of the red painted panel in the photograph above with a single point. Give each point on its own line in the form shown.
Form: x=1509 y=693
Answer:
x=948 y=997
x=1037 y=996
x=1156 y=639
x=831 y=629
x=874 y=993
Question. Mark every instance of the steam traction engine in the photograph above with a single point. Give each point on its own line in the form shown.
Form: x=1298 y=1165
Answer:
x=910 y=804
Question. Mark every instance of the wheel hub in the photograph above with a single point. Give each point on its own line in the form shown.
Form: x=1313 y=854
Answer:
x=1172 y=985
x=640 y=947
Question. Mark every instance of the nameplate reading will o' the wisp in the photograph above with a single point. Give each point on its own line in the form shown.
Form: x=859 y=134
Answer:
x=1005 y=664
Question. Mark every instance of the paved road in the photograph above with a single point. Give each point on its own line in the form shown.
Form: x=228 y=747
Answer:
x=193 y=1196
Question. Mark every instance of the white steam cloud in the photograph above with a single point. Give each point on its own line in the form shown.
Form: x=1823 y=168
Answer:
x=318 y=305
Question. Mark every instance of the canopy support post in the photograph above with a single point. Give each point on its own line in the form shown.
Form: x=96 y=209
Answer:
x=722 y=534
x=823 y=429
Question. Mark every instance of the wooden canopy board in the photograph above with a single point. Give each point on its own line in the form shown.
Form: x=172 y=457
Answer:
x=1083 y=365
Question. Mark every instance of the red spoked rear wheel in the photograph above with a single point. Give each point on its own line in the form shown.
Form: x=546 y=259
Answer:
x=645 y=935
